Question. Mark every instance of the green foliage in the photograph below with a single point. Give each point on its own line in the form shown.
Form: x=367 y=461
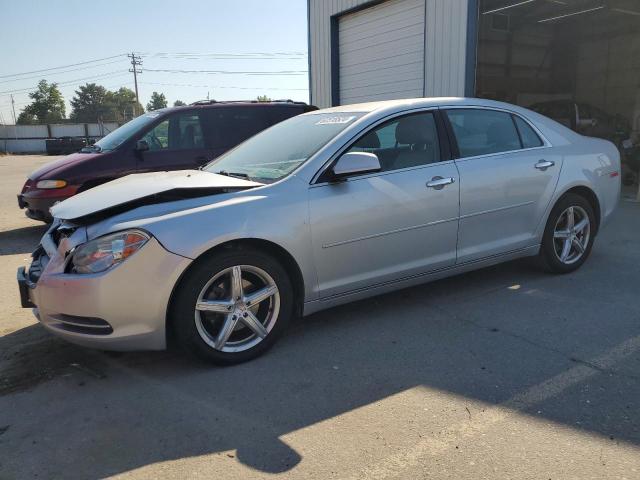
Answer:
x=93 y=103
x=179 y=103
x=47 y=105
x=125 y=103
x=158 y=101
x=263 y=98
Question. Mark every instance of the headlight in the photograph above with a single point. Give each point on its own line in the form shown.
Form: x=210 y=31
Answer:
x=46 y=184
x=102 y=253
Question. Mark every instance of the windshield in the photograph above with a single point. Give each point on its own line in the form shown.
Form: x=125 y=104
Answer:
x=279 y=150
x=122 y=134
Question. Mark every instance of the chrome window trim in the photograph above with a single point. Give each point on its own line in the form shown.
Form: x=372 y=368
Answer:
x=363 y=132
x=545 y=141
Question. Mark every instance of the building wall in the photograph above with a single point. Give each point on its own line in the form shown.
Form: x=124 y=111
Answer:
x=445 y=46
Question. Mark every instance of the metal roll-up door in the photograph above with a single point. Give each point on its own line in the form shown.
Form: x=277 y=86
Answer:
x=381 y=52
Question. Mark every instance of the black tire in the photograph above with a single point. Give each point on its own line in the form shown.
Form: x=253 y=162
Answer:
x=548 y=258
x=183 y=305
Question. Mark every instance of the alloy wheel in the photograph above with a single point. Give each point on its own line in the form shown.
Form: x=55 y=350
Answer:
x=571 y=234
x=237 y=308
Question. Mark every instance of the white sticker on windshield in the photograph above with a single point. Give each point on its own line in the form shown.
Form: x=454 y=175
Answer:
x=335 y=120
x=152 y=115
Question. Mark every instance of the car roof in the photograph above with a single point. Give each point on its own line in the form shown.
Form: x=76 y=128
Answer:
x=239 y=103
x=408 y=103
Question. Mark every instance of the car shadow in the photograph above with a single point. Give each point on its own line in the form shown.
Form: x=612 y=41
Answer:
x=476 y=336
x=21 y=240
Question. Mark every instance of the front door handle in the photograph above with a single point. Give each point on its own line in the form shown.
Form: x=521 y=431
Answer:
x=544 y=164
x=438 y=183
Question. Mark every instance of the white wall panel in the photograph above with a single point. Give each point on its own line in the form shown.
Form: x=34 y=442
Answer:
x=440 y=48
x=67 y=130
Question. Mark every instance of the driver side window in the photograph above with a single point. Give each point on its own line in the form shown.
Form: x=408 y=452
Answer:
x=158 y=137
x=404 y=142
x=178 y=132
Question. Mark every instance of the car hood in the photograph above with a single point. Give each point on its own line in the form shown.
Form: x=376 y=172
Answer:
x=140 y=189
x=73 y=159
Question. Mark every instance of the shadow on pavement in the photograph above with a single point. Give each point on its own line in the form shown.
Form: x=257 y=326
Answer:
x=562 y=348
x=21 y=240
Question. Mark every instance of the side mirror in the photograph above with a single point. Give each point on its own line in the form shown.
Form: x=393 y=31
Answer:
x=356 y=163
x=142 y=146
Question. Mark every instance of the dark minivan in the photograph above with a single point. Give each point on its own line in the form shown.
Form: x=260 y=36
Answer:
x=168 y=139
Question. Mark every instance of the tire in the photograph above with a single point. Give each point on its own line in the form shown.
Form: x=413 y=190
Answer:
x=557 y=233
x=210 y=284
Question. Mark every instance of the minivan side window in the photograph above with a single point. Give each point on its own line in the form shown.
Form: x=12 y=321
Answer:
x=483 y=132
x=227 y=126
x=180 y=131
x=404 y=142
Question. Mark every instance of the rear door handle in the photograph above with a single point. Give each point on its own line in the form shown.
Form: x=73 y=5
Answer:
x=438 y=183
x=544 y=164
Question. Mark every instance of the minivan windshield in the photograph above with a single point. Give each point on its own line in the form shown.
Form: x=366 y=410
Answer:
x=276 y=152
x=122 y=134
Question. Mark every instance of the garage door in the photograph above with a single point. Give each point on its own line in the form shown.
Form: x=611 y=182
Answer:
x=381 y=52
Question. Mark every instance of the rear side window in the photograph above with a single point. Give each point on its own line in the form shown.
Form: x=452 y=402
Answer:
x=530 y=138
x=483 y=132
x=227 y=127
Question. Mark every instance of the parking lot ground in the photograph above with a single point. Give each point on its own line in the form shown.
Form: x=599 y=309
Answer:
x=505 y=372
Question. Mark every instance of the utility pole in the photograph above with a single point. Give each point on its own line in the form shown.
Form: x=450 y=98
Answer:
x=13 y=108
x=135 y=62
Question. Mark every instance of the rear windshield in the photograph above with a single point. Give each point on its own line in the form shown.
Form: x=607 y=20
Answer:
x=279 y=150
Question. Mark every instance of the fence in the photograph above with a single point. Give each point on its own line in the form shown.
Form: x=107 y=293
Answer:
x=32 y=138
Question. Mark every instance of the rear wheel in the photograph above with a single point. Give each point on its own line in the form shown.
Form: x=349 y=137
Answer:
x=569 y=235
x=232 y=306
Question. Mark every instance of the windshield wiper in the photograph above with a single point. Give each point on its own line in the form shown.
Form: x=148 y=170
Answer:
x=233 y=174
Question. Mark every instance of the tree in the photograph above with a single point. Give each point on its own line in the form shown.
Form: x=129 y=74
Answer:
x=263 y=98
x=179 y=103
x=92 y=103
x=47 y=106
x=126 y=107
x=158 y=101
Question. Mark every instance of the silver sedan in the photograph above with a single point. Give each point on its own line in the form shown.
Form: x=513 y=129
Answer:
x=325 y=208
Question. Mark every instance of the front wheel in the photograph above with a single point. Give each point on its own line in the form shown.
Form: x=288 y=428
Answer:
x=569 y=234
x=232 y=306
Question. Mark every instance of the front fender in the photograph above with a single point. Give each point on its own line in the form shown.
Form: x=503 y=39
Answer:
x=278 y=214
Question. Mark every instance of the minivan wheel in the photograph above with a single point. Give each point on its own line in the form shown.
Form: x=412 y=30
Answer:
x=569 y=235
x=232 y=306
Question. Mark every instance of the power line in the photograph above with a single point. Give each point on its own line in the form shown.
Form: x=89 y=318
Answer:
x=71 y=82
x=224 y=55
x=230 y=72
x=62 y=66
x=226 y=87
x=59 y=73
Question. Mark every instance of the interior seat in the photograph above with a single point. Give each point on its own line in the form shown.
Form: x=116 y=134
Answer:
x=419 y=132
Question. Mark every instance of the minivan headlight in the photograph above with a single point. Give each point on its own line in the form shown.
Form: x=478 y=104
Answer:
x=102 y=253
x=49 y=184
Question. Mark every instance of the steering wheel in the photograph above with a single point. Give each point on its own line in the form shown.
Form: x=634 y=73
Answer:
x=154 y=142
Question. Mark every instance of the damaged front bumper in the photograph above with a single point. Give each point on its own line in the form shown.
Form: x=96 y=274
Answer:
x=122 y=308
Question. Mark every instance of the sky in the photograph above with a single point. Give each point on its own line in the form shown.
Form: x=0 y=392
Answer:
x=215 y=35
